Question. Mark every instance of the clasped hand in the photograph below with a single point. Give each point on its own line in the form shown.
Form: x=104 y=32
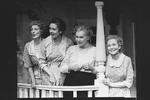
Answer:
x=89 y=66
x=106 y=82
x=74 y=68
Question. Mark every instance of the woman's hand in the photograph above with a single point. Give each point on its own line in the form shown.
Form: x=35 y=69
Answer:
x=106 y=82
x=52 y=78
x=74 y=68
x=33 y=85
x=59 y=58
x=89 y=66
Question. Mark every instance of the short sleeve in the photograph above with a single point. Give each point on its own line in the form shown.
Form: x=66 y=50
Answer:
x=129 y=74
x=26 y=57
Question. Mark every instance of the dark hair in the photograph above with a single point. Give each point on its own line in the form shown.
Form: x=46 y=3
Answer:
x=39 y=23
x=60 y=23
x=83 y=27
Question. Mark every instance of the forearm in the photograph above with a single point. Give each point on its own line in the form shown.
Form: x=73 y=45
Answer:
x=46 y=70
x=118 y=84
x=31 y=74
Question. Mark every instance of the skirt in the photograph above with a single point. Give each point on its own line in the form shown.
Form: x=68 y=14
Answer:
x=78 y=79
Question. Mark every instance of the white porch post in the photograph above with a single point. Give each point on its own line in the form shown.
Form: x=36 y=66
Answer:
x=100 y=51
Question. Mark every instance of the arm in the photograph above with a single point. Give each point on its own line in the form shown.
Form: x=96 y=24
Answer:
x=65 y=63
x=129 y=74
x=28 y=64
x=43 y=63
x=32 y=76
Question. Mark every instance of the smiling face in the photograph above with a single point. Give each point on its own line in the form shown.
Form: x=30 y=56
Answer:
x=113 y=47
x=35 y=31
x=54 y=30
x=81 y=38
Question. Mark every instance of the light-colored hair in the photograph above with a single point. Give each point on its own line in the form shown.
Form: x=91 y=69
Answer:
x=83 y=27
x=119 y=39
x=39 y=23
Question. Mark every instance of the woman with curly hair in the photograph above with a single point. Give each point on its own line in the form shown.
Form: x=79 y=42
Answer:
x=32 y=51
x=80 y=60
x=119 y=71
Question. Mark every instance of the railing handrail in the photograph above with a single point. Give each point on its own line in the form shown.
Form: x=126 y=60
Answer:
x=61 y=88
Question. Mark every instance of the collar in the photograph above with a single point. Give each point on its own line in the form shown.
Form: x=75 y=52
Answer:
x=116 y=63
x=31 y=48
x=48 y=40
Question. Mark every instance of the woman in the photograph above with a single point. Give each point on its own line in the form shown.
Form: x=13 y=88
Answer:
x=79 y=61
x=54 y=50
x=32 y=51
x=119 y=71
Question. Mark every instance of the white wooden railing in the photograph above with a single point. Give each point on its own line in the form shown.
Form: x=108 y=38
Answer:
x=25 y=91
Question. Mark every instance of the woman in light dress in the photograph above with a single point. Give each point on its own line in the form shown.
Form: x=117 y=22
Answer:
x=119 y=71
x=54 y=50
x=32 y=52
x=78 y=65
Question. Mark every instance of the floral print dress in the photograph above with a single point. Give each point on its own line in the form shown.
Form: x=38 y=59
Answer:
x=120 y=71
x=30 y=58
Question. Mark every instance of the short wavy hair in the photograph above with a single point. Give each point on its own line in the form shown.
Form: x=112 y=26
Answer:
x=83 y=27
x=119 y=39
x=39 y=23
x=60 y=24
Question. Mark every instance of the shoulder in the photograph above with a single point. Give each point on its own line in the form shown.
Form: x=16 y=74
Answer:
x=127 y=58
x=66 y=39
x=27 y=44
x=108 y=57
x=73 y=47
x=47 y=40
x=93 y=47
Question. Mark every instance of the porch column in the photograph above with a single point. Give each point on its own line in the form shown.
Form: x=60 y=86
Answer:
x=100 y=51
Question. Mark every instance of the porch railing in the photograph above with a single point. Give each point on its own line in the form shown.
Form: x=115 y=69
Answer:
x=42 y=91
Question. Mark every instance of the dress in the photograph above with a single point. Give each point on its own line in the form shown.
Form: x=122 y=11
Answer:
x=30 y=58
x=120 y=71
x=49 y=53
x=79 y=78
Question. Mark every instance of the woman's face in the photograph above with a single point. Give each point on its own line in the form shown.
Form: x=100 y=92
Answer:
x=54 y=31
x=81 y=38
x=113 y=47
x=35 y=31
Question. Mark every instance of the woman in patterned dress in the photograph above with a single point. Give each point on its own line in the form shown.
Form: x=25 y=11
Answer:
x=79 y=61
x=54 y=50
x=32 y=51
x=119 y=71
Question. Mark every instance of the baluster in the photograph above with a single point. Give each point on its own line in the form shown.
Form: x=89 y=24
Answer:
x=25 y=92
x=60 y=94
x=56 y=94
x=51 y=93
x=31 y=93
x=74 y=94
x=20 y=92
x=37 y=93
x=90 y=93
x=47 y=94
x=100 y=56
x=43 y=95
